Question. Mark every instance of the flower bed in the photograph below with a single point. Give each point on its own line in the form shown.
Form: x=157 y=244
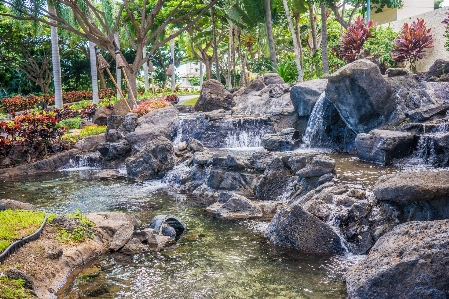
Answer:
x=19 y=103
x=150 y=105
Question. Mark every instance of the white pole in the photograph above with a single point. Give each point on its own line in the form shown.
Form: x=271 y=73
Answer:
x=93 y=72
x=201 y=74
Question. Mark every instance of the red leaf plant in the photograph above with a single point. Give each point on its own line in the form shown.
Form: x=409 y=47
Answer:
x=412 y=42
x=352 y=42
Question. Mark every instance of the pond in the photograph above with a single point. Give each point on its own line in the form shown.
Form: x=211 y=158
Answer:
x=215 y=259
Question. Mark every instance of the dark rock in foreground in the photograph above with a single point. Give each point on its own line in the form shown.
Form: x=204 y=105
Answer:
x=382 y=146
x=293 y=227
x=411 y=261
x=155 y=159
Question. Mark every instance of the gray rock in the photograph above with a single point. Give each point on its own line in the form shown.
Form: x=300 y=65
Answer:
x=394 y=72
x=255 y=85
x=65 y=222
x=182 y=146
x=9 y=204
x=116 y=227
x=304 y=95
x=424 y=113
x=272 y=78
x=129 y=123
x=438 y=69
x=278 y=143
x=53 y=252
x=235 y=207
x=273 y=182
x=318 y=166
x=292 y=227
x=434 y=148
x=112 y=135
x=382 y=146
x=361 y=95
x=411 y=261
x=155 y=159
x=90 y=143
x=102 y=113
x=151 y=125
x=114 y=151
x=214 y=96
x=195 y=145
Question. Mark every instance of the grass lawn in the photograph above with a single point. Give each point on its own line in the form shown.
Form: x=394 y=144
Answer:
x=16 y=224
x=190 y=102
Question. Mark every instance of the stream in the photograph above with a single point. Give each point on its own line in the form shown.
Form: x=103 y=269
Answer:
x=215 y=259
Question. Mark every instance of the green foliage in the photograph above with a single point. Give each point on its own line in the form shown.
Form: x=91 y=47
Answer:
x=15 y=224
x=287 y=70
x=13 y=289
x=261 y=65
x=71 y=123
x=81 y=233
x=382 y=44
x=446 y=34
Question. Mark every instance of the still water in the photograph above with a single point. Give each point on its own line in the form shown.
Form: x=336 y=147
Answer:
x=215 y=258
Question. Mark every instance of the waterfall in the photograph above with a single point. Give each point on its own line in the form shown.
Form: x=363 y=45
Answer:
x=178 y=136
x=314 y=135
x=243 y=139
x=84 y=161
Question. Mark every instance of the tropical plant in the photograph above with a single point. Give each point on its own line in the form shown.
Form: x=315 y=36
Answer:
x=446 y=34
x=354 y=39
x=412 y=42
x=288 y=71
x=382 y=44
x=150 y=105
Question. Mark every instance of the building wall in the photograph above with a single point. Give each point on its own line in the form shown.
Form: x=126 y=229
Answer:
x=410 y=8
x=432 y=20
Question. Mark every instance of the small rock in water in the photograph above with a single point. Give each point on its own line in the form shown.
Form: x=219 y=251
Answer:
x=90 y=272
x=182 y=146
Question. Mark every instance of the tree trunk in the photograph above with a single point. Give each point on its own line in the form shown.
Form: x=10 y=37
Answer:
x=295 y=42
x=269 y=23
x=229 y=74
x=132 y=85
x=93 y=72
x=102 y=79
x=325 y=54
x=56 y=60
x=145 y=70
x=298 y=36
x=118 y=72
x=313 y=27
x=214 y=33
x=233 y=60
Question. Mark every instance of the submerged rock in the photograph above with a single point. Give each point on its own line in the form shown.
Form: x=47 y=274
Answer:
x=411 y=261
x=155 y=159
x=234 y=206
x=292 y=227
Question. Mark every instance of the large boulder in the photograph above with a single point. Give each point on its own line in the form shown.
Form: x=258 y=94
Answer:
x=411 y=261
x=272 y=78
x=116 y=151
x=438 y=69
x=382 y=146
x=292 y=227
x=286 y=140
x=214 y=96
x=419 y=195
x=361 y=95
x=153 y=161
x=273 y=182
x=305 y=94
x=101 y=114
x=149 y=126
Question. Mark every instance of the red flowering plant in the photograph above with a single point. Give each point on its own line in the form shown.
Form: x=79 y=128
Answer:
x=412 y=42
x=150 y=105
x=352 y=42
x=31 y=135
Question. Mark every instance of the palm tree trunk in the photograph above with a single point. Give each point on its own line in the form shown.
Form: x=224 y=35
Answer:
x=214 y=33
x=56 y=59
x=118 y=72
x=102 y=79
x=93 y=72
x=325 y=54
x=295 y=41
x=298 y=36
x=269 y=23
x=313 y=27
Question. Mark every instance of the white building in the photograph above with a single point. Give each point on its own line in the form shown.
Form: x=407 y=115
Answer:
x=411 y=8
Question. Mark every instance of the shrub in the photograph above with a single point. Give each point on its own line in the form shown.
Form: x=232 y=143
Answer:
x=412 y=42
x=80 y=233
x=287 y=70
x=446 y=35
x=352 y=42
x=71 y=123
x=150 y=105
x=382 y=44
x=31 y=135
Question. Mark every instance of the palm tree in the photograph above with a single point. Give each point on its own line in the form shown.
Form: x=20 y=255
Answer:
x=295 y=41
x=269 y=23
x=325 y=53
x=55 y=58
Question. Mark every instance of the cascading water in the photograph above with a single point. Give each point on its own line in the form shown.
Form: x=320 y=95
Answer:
x=85 y=161
x=314 y=135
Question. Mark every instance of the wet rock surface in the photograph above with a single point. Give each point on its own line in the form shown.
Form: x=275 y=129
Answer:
x=304 y=95
x=411 y=261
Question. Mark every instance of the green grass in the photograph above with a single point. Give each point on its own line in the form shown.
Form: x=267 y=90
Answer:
x=15 y=224
x=13 y=289
x=190 y=102
x=80 y=234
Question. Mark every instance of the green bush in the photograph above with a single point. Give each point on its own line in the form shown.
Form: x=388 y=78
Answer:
x=287 y=70
x=382 y=44
x=72 y=123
